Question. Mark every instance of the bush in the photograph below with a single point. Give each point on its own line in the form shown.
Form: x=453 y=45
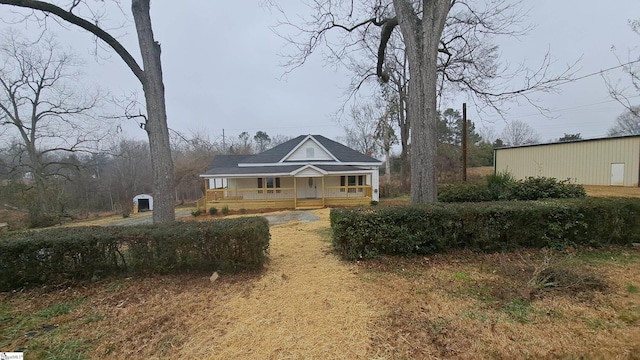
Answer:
x=366 y=233
x=546 y=188
x=390 y=190
x=196 y=213
x=213 y=211
x=374 y=203
x=464 y=193
x=73 y=254
x=225 y=210
x=502 y=187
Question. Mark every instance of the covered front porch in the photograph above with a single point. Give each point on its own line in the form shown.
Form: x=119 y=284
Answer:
x=301 y=191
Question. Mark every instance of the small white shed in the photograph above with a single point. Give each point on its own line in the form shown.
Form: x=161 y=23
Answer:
x=142 y=202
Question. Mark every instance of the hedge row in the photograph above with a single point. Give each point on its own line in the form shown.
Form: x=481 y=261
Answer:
x=83 y=253
x=496 y=226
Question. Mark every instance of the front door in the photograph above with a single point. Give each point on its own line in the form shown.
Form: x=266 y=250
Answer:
x=311 y=188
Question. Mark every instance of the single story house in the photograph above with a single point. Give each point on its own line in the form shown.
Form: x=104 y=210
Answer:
x=310 y=171
x=611 y=161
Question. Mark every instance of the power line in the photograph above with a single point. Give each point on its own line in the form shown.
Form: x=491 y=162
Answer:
x=576 y=107
x=599 y=72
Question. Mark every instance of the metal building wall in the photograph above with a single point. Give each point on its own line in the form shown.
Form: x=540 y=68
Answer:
x=585 y=162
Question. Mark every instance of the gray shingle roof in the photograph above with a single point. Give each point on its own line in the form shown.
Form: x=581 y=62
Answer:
x=343 y=153
x=228 y=164
x=277 y=153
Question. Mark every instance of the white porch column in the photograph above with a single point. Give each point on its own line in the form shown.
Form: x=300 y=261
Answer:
x=375 y=184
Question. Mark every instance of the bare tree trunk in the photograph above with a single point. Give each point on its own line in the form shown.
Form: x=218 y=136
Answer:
x=422 y=37
x=151 y=79
x=156 y=123
x=404 y=138
x=387 y=167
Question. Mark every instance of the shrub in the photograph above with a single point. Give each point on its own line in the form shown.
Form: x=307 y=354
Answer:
x=464 y=193
x=374 y=203
x=37 y=219
x=72 y=254
x=534 y=188
x=243 y=211
x=390 y=190
x=225 y=210
x=196 y=213
x=365 y=233
x=502 y=186
x=213 y=211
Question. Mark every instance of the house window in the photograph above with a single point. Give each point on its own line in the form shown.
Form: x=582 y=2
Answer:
x=352 y=182
x=270 y=184
x=310 y=153
x=342 y=183
x=360 y=182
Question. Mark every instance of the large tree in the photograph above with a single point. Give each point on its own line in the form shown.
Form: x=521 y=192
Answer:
x=458 y=56
x=518 y=132
x=44 y=115
x=627 y=123
x=81 y=14
x=361 y=128
x=631 y=67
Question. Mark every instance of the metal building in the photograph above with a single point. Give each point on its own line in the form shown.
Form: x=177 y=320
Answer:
x=605 y=161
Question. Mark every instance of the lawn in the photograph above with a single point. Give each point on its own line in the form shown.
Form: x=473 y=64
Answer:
x=581 y=303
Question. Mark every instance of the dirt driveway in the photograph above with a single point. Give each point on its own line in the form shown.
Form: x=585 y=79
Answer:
x=306 y=305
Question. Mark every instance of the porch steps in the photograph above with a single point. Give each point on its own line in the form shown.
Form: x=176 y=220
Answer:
x=308 y=204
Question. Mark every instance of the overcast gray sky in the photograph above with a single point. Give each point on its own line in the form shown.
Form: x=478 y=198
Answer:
x=221 y=68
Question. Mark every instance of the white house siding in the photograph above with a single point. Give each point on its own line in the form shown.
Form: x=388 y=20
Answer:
x=584 y=162
x=309 y=172
x=236 y=186
x=300 y=154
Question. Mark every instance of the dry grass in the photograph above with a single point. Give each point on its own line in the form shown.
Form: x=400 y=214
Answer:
x=479 y=173
x=612 y=191
x=304 y=304
x=471 y=306
x=308 y=304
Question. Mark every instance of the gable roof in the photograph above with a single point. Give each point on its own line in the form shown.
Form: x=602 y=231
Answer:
x=278 y=154
x=273 y=161
x=344 y=153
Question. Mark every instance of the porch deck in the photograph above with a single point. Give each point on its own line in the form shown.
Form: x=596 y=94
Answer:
x=284 y=198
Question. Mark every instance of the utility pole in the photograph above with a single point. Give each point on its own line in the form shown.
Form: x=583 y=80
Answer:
x=224 y=145
x=464 y=141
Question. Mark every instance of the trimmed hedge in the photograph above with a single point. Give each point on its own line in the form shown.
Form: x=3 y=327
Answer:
x=83 y=253
x=495 y=226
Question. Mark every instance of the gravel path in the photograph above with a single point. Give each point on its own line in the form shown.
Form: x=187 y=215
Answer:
x=284 y=217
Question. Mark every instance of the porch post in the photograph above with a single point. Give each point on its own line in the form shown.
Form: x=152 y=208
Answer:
x=375 y=184
x=323 y=191
x=295 y=193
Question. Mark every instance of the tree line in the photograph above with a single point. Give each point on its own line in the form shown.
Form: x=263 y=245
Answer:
x=418 y=50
